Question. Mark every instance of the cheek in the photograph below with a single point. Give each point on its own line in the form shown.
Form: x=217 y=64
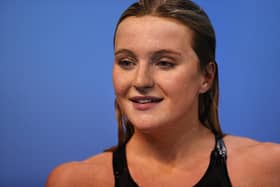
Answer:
x=192 y=82
x=184 y=83
x=120 y=82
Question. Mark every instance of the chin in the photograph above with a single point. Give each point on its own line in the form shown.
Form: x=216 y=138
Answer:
x=147 y=125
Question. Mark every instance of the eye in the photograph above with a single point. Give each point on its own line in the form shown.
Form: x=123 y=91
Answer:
x=164 y=64
x=126 y=64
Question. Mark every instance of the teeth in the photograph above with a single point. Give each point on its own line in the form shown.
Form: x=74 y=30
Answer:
x=143 y=101
x=146 y=100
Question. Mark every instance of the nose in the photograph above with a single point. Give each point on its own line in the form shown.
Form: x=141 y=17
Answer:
x=143 y=80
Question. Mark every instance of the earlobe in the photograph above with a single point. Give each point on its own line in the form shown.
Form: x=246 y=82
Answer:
x=208 y=77
x=204 y=87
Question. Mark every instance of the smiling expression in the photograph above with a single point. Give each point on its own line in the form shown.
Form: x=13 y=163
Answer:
x=156 y=73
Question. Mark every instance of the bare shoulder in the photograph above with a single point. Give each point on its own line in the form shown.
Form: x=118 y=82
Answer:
x=260 y=160
x=243 y=145
x=95 y=171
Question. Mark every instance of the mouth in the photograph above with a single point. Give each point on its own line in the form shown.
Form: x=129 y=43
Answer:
x=145 y=99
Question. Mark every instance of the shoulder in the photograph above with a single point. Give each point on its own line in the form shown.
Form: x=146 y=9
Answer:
x=95 y=171
x=247 y=146
x=250 y=158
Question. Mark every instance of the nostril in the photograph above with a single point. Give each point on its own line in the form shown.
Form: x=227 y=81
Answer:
x=143 y=79
x=144 y=85
x=143 y=89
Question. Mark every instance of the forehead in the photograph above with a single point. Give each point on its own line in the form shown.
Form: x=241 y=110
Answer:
x=153 y=32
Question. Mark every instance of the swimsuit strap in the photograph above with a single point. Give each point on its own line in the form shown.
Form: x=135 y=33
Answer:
x=220 y=146
x=118 y=162
x=121 y=172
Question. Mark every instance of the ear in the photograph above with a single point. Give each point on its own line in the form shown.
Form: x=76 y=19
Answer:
x=208 y=75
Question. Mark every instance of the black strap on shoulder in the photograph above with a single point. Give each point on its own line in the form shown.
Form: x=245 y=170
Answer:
x=118 y=163
x=220 y=147
x=216 y=174
x=121 y=172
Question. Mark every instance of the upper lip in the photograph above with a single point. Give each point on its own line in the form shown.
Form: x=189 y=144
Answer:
x=145 y=99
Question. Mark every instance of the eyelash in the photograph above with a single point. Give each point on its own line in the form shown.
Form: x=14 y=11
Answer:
x=164 y=64
x=126 y=64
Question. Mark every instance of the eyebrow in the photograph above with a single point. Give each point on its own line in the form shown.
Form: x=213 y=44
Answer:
x=154 y=54
x=125 y=51
x=166 y=51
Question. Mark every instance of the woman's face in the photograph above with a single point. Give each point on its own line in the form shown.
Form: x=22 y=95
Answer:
x=156 y=73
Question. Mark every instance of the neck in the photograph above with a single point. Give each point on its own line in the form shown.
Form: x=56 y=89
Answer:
x=171 y=145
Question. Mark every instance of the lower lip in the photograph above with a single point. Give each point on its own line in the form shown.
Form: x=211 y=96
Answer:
x=146 y=106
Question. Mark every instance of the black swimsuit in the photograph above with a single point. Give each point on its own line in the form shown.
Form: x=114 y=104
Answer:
x=216 y=174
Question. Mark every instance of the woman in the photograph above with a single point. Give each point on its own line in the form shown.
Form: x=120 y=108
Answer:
x=166 y=85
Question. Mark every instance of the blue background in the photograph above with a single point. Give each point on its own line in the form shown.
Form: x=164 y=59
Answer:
x=56 y=95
